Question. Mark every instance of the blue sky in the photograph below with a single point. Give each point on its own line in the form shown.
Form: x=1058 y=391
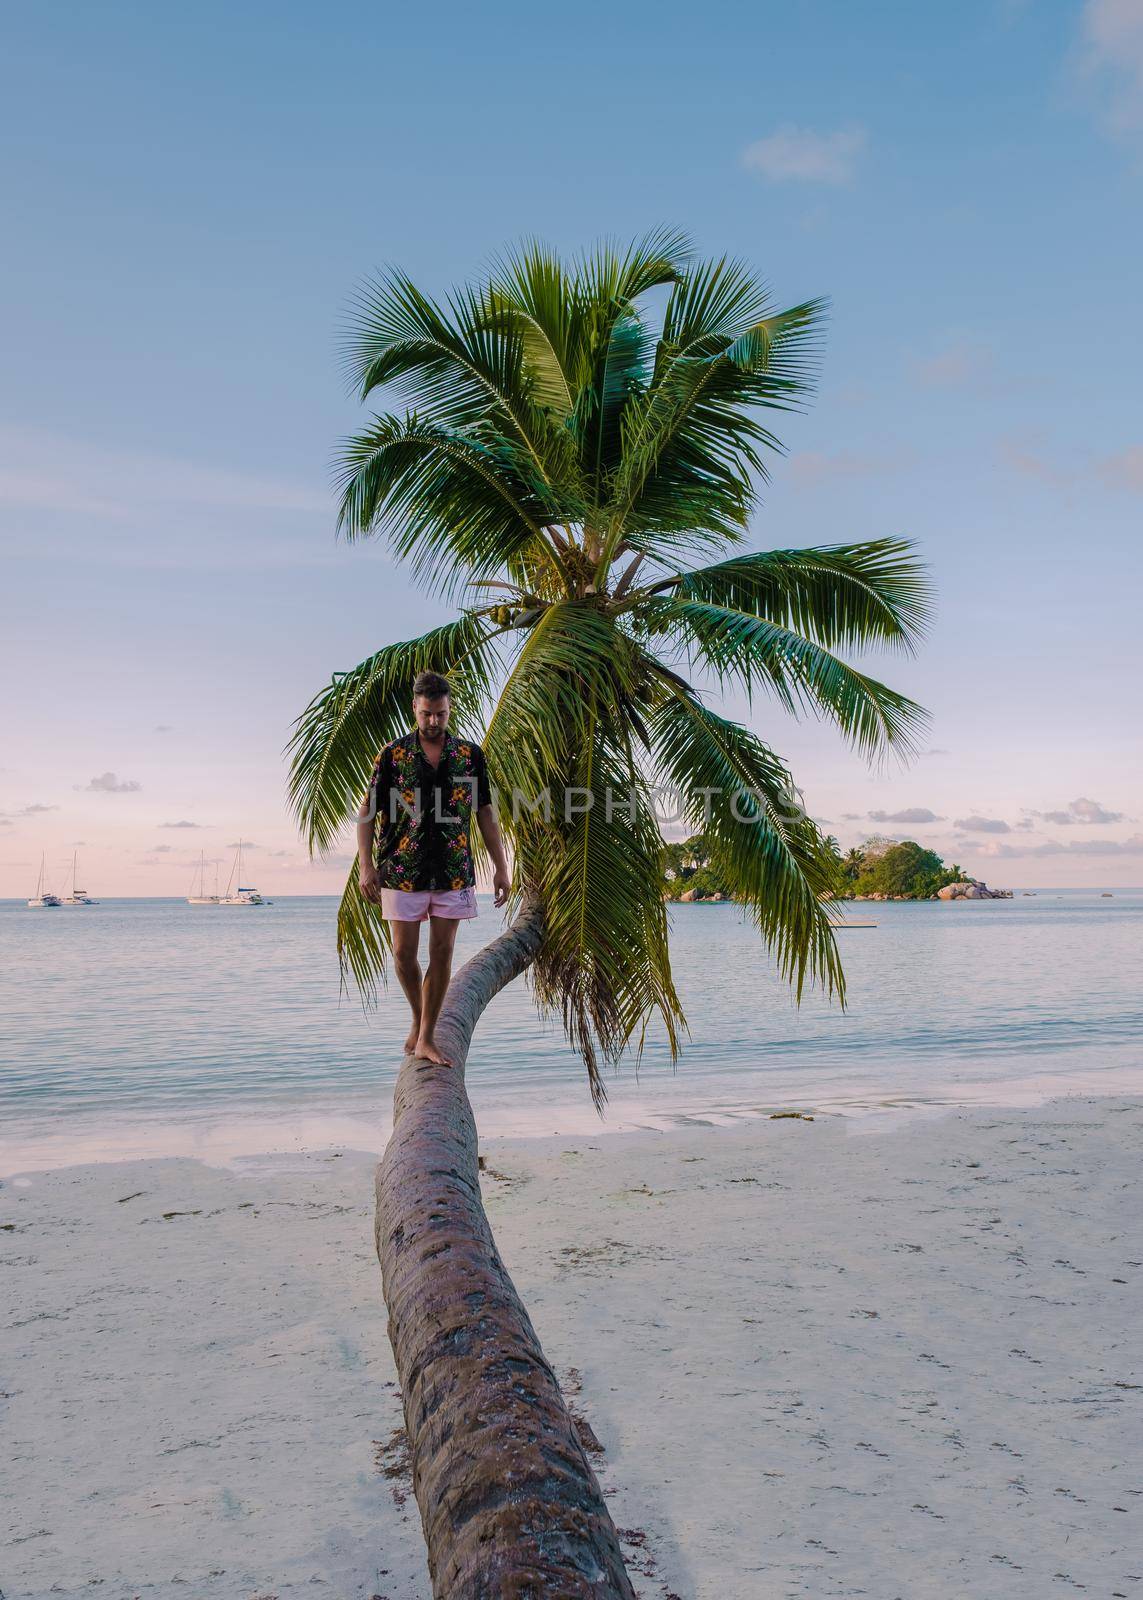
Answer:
x=192 y=195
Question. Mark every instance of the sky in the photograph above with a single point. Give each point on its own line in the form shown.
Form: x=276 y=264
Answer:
x=192 y=194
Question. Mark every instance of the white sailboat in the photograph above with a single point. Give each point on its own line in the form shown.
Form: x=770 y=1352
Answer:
x=241 y=896
x=42 y=900
x=202 y=898
x=78 y=896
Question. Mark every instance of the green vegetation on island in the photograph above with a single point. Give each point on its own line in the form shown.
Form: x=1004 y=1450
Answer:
x=893 y=869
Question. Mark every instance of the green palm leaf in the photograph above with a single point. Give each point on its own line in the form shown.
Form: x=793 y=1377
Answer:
x=336 y=739
x=777 y=861
x=803 y=674
x=842 y=596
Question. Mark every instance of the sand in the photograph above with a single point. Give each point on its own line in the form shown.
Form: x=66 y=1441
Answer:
x=899 y=1362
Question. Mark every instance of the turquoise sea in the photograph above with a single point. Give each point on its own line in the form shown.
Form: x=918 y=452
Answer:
x=151 y=1026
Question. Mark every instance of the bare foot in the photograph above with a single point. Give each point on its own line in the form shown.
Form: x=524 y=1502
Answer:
x=411 y=1040
x=426 y=1050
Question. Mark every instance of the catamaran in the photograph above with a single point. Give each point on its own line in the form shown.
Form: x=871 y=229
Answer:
x=202 y=898
x=241 y=896
x=41 y=900
x=77 y=897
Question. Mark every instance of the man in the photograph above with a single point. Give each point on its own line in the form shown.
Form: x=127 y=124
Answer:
x=426 y=788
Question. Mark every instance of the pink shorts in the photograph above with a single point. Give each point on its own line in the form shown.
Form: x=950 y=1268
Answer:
x=417 y=905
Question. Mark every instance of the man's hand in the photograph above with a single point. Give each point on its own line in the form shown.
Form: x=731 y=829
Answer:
x=501 y=883
x=369 y=882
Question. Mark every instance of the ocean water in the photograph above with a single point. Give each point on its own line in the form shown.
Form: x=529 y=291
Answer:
x=150 y=1026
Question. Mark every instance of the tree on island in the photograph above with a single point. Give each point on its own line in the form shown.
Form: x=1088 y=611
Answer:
x=576 y=435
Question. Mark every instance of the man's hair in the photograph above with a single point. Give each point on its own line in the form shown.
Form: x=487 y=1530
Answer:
x=430 y=685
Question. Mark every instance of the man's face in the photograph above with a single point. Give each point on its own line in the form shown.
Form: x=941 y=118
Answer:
x=431 y=715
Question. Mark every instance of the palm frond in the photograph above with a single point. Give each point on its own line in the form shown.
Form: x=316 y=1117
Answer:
x=756 y=652
x=772 y=854
x=532 y=291
x=843 y=596
x=693 y=435
x=363 y=940
x=458 y=367
x=336 y=739
x=559 y=742
x=456 y=507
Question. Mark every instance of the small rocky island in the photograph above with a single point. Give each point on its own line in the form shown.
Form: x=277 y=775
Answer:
x=971 y=889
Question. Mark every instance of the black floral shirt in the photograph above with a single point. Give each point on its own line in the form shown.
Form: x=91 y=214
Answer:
x=425 y=816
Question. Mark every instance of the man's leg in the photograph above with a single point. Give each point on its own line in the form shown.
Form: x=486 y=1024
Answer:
x=406 y=938
x=442 y=938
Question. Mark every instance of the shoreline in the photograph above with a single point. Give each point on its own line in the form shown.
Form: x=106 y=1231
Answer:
x=904 y=1363
x=228 y=1136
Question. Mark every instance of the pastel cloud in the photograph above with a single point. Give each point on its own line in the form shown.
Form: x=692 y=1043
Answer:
x=975 y=824
x=70 y=476
x=1124 y=470
x=960 y=363
x=108 y=783
x=1113 y=40
x=1082 y=812
x=997 y=850
x=802 y=155
x=34 y=810
x=183 y=824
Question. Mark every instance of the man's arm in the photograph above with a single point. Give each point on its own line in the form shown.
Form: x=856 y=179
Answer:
x=494 y=844
x=368 y=879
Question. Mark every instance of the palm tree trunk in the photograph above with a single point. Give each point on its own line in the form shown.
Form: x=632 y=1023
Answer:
x=509 y=1503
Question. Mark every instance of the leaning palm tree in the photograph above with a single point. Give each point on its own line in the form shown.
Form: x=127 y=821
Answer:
x=574 y=461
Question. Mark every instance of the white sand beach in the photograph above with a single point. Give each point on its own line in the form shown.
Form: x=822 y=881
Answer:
x=902 y=1361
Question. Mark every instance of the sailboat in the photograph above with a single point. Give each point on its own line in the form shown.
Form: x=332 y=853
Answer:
x=41 y=900
x=202 y=898
x=241 y=896
x=77 y=897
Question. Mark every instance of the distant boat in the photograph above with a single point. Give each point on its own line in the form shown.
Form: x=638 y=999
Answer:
x=202 y=898
x=241 y=896
x=41 y=900
x=77 y=897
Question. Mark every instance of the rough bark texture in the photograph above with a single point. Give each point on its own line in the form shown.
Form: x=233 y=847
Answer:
x=510 y=1506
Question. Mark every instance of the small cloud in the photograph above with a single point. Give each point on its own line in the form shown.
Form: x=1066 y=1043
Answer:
x=1123 y=470
x=183 y=824
x=816 y=466
x=959 y=364
x=108 y=783
x=928 y=754
x=997 y=850
x=851 y=816
x=162 y=727
x=910 y=814
x=1021 y=457
x=1113 y=61
x=248 y=844
x=976 y=824
x=1082 y=812
x=161 y=849
x=810 y=467
x=800 y=155
x=34 y=810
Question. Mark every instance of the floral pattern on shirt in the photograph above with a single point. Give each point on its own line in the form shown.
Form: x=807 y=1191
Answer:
x=415 y=850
